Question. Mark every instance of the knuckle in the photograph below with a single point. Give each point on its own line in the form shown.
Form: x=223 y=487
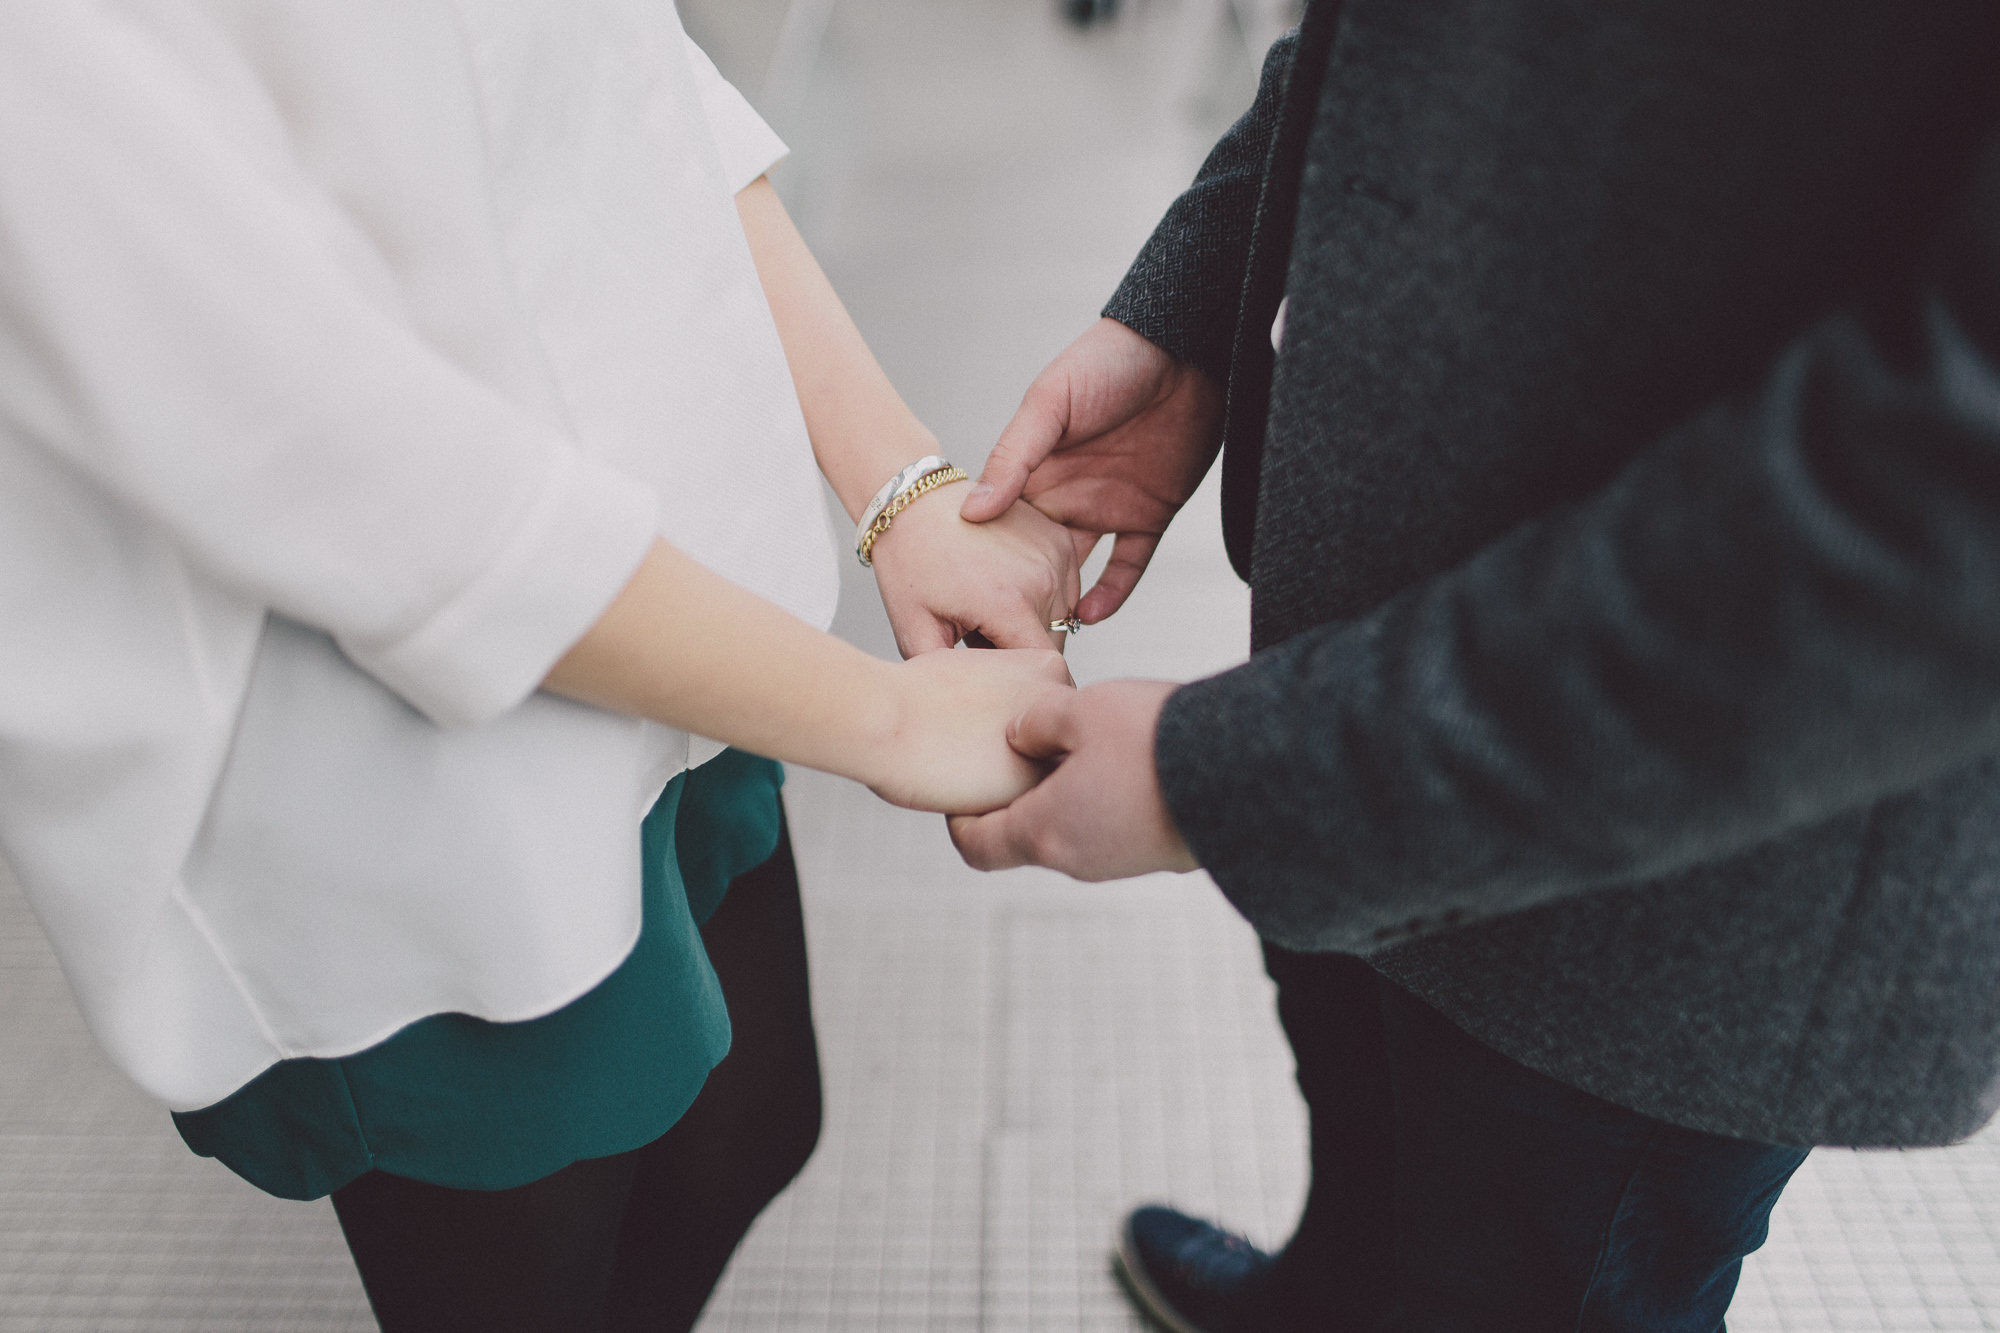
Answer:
x=965 y=835
x=1051 y=849
x=1034 y=847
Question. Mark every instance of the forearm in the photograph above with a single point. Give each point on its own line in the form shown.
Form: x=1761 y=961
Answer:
x=1784 y=610
x=685 y=647
x=862 y=431
x=1184 y=287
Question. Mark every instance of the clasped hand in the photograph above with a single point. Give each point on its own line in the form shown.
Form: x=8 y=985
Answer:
x=1112 y=438
x=943 y=579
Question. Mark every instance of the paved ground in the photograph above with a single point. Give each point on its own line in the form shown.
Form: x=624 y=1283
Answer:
x=1011 y=1060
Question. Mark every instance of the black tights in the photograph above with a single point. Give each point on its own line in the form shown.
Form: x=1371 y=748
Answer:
x=636 y=1241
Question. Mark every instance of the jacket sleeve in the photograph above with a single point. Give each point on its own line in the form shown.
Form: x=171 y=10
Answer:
x=181 y=325
x=1183 y=290
x=1784 y=609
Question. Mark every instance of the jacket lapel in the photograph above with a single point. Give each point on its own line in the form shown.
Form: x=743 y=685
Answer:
x=1252 y=358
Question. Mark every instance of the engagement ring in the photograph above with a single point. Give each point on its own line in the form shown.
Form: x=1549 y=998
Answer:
x=1067 y=625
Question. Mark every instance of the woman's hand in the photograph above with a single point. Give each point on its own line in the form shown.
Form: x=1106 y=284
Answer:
x=684 y=646
x=942 y=743
x=1101 y=814
x=943 y=578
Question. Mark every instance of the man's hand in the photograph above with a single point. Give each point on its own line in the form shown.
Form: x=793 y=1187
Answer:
x=1113 y=436
x=942 y=578
x=1100 y=815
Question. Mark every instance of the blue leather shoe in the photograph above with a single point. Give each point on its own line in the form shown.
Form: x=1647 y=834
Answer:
x=1188 y=1276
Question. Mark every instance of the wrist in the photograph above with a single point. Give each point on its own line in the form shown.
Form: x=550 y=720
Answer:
x=907 y=487
x=1178 y=855
x=868 y=750
x=866 y=471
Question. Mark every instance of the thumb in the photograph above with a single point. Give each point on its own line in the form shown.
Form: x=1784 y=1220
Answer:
x=1033 y=434
x=1047 y=727
x=1015 y=624
x=922 y=632
x=989 y=842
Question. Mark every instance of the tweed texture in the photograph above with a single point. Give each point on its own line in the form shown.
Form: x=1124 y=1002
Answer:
x=1626 y=556
x=1184 y=288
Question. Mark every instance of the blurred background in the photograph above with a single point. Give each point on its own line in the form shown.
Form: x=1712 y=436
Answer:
x=1011 y=1061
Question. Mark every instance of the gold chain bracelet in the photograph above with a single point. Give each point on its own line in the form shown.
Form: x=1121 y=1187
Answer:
x=930 y=481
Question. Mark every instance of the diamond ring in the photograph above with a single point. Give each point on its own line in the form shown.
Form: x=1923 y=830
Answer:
x=1067 y=625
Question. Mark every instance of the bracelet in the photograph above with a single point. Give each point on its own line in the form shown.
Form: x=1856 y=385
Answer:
x=873 y=526
x=890 y=488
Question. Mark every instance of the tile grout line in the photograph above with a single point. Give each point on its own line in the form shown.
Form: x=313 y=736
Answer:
x=998 y=985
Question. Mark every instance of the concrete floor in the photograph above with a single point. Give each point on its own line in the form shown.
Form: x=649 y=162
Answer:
x=1010 y=1060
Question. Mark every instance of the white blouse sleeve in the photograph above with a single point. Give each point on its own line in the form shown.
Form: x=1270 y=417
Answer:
x=176 y=326
x=747 y=145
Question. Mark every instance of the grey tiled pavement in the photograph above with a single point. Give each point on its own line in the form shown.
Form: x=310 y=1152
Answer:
x=1012 y=1060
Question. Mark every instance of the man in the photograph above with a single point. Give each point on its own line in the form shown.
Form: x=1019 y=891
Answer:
x=1612 y=434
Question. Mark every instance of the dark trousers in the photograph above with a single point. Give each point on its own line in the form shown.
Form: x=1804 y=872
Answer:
x=1456 y=1191
x=636 y=1241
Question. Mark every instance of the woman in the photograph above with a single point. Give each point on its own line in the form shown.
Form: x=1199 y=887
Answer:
x=406 y=416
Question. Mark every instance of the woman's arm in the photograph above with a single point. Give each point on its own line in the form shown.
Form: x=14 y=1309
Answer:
x=927 y=733
x=683 y=646
x=941 y=578
x=862 y=431
x=175 y=328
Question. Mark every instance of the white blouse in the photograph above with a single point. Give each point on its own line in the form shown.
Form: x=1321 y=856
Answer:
x=351 y=356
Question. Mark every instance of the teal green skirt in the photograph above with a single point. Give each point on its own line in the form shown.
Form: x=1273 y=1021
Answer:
x=458 y=1101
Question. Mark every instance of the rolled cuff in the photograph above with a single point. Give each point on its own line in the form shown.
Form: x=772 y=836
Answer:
x=490 y=646
x=1202 y=793
x=1257 y=813
x=747 y=146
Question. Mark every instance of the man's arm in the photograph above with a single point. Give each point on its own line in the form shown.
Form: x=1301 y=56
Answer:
x=1118 y=431
x=1183 y=290
x=1786 y=608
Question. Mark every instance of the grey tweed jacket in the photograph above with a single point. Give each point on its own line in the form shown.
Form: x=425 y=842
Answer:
x=1623 y=520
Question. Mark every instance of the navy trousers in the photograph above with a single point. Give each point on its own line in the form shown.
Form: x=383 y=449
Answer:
x=1456 y=1191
